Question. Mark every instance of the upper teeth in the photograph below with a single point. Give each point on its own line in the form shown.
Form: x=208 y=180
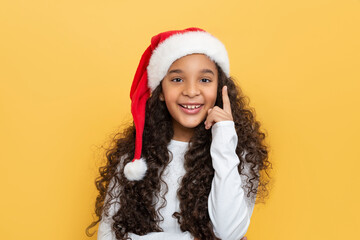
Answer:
x=191 y=106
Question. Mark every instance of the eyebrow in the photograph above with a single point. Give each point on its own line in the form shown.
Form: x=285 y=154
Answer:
x=202 y=71
x=175 y=71
x=207 y=71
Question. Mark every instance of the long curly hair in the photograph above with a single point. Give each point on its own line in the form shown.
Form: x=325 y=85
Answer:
x=138 y=199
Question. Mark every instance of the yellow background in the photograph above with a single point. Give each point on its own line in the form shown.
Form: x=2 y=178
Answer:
x=65 y=73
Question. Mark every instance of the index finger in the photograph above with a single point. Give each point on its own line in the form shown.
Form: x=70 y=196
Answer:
x=226 y=100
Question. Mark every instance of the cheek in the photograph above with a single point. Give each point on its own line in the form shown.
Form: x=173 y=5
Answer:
x=212 y=95
x=169 y=97
x=170 y=101
x=213 y=100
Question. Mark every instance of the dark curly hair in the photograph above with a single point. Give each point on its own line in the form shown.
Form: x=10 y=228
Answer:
x=138 y=213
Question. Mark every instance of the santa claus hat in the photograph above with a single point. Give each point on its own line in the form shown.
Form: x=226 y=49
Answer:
x=165 y=48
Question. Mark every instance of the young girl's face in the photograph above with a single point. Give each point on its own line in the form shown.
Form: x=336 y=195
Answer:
x=189 y=89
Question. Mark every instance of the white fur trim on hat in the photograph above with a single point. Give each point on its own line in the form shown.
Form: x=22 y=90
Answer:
x=135 y=170
x=182 y=44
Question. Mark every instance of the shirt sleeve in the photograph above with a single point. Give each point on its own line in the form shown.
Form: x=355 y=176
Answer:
x=228 y=207
x=105 y=231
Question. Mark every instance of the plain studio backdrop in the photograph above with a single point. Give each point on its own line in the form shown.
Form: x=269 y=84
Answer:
x=65 y=72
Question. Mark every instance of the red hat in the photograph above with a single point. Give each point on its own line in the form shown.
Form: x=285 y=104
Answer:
x=165 y=48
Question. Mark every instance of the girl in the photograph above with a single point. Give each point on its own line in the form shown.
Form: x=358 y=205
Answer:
x=189 y=167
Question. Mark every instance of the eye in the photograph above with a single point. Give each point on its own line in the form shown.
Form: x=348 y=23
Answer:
x=205 y=80
x=176 y=80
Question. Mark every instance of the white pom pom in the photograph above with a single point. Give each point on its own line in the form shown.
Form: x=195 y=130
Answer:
x=136 y=170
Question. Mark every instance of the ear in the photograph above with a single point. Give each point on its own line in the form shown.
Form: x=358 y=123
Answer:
x=161 y=97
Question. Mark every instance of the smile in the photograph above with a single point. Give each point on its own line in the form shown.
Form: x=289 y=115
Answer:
x=190 y=109
x=190 y=106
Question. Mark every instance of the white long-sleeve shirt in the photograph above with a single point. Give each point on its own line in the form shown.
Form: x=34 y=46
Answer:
x=229 y=208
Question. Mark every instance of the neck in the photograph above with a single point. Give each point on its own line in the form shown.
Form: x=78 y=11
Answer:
x=182 y=133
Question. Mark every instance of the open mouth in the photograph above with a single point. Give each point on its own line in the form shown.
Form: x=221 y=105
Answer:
x=191 y=107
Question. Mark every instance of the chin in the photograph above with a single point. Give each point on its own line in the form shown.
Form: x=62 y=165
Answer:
x=192 y=124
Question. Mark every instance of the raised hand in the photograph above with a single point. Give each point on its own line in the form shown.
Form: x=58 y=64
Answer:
x=216 y=114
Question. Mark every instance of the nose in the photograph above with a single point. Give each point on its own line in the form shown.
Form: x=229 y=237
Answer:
x=191 y=89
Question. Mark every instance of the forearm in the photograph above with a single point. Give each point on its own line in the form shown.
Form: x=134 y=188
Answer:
x=228 y=209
